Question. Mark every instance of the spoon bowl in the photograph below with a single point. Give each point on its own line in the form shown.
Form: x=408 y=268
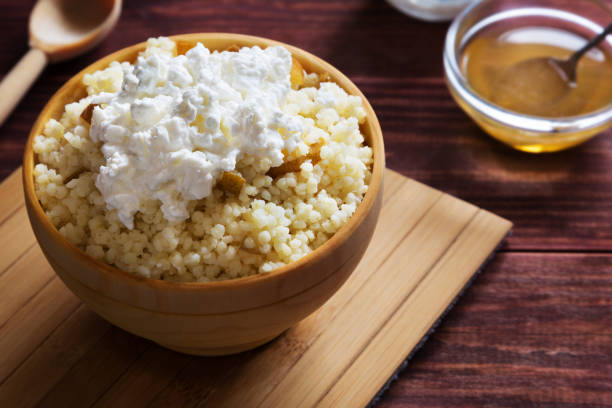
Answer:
x=534 y=85
x=59 y=29
x=63 y=29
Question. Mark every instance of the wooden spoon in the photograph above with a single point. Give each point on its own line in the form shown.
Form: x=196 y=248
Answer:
x=59 y=29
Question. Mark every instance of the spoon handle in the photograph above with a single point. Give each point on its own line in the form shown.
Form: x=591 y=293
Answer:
x=17 y=82
x=594 y=41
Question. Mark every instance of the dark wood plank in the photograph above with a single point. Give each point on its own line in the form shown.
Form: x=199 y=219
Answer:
x=560 y=201
x=470 y=371
x=533 y=330
x=557 y=202
x=544 y=294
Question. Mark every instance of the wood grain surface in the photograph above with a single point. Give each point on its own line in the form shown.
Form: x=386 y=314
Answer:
x=534 y=330
x=429 y=244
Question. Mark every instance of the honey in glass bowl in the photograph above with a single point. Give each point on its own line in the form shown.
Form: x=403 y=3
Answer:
x=489 y=38
x=489 y=59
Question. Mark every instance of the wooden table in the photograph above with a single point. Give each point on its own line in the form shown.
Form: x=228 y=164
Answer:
x=535 y=329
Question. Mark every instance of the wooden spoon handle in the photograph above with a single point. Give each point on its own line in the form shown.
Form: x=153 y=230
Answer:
x=17 y=82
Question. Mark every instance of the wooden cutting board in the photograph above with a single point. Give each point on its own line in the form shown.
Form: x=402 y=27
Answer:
x=55 y=352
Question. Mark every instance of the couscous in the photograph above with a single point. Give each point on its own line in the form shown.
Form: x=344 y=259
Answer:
x=204 y=166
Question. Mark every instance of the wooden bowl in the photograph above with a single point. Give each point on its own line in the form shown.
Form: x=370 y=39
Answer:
x=209 y=318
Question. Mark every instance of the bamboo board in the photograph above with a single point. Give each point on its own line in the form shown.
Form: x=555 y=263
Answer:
x=55 y=352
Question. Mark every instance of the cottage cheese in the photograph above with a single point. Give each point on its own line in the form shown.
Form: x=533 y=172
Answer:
x=178 y=122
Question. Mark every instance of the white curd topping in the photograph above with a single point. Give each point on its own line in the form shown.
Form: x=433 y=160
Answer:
x=178 y=122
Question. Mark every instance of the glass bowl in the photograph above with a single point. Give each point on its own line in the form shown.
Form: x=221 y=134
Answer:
x=524 y=132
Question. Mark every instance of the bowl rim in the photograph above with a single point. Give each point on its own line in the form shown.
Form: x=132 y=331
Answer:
x=458 y=83
x=329 y=246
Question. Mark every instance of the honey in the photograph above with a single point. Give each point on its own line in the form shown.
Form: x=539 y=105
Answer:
x=495 y=65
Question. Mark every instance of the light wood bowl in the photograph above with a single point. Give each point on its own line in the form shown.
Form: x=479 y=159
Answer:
x=210 y=318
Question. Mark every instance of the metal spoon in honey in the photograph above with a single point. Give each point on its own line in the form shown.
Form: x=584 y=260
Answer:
x=59 y=29
x=537 y=84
